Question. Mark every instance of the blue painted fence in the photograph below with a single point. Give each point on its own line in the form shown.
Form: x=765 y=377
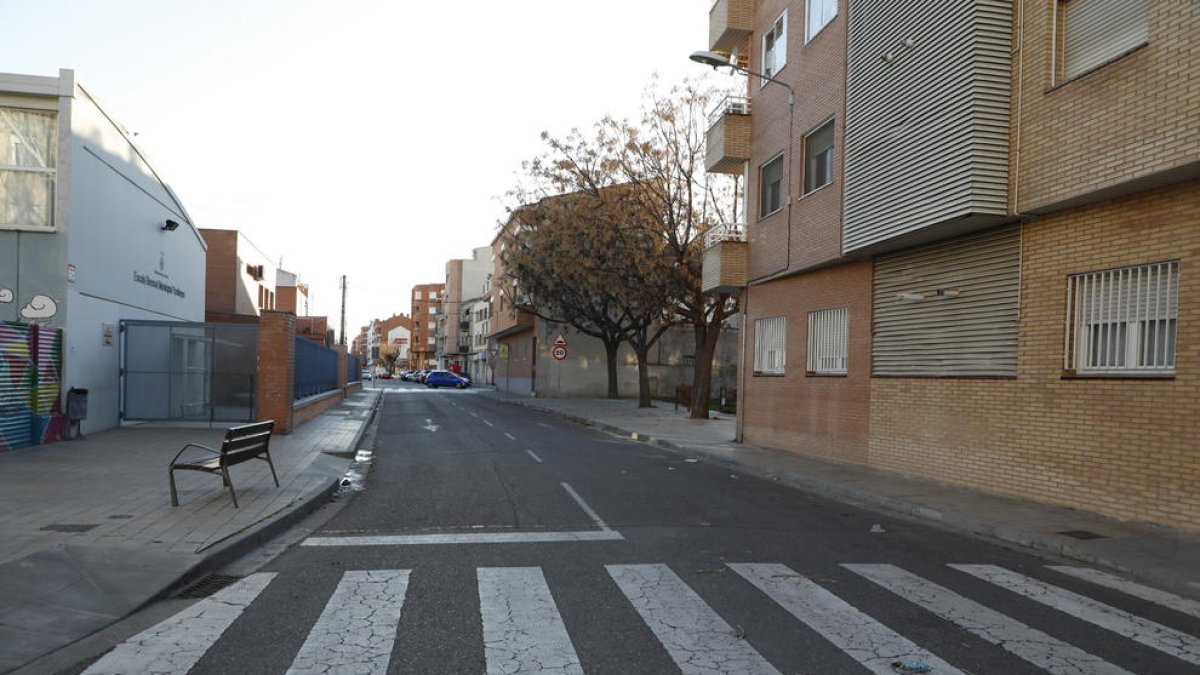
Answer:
x=316 y=368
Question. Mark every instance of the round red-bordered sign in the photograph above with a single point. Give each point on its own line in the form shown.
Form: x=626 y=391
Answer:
x=559 y=353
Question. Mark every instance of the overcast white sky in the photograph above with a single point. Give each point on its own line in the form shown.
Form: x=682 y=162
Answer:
x=374 y=139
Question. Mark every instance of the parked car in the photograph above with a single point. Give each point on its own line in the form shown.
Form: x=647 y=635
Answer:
x=366 y=375
x=445 y=378
x=422 y=374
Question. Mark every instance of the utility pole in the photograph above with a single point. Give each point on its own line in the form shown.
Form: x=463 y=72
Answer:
x=343 y=341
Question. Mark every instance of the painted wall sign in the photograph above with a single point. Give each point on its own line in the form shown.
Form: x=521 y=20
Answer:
x=149 y=280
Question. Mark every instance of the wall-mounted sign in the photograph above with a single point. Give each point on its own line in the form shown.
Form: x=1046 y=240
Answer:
x=108 y=333
x=149 y=280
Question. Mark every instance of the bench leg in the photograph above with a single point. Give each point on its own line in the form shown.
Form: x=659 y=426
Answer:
x=225 y=477
x=272 y=465
x=174 y=496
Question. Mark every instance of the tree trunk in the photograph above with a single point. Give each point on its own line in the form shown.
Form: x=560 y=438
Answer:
x=610 y=354
x=706 y=346
x=643 y=356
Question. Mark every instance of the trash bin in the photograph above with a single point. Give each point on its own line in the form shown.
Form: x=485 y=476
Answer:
x=77 y=400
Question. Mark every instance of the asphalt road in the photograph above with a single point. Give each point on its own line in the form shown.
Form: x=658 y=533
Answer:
x=491 y=538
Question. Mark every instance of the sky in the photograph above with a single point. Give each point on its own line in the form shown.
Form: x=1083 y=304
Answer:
x=373 y=139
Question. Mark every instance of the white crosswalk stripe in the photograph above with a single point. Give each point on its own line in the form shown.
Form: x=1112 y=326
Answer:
x=1036 y=647
x=1185 y=605
x=524 y=632
x=357 y=628
x=696 y=637
x=1149 y=633
x=522 y=629
x=175 y=645
x=864 y=639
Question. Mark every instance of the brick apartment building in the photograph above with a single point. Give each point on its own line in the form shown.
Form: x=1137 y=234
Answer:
x=426 y=307
x=972 y=242
x=465 y=282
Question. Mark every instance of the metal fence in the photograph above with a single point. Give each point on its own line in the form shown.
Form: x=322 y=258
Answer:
x=316 y=368
x=353 y=368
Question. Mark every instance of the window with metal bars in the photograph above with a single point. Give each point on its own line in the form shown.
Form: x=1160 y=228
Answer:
x=770 y=336
x=828 y=336
x=1123 y=321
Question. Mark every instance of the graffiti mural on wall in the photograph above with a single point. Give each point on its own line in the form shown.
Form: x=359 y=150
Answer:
x=30 y=385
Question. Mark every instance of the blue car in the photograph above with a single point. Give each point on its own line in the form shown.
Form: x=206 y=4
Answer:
x=445 y=378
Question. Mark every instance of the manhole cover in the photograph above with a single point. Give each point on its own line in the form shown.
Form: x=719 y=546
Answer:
x=1083 y=534
x=207 y=586
x=68 y=527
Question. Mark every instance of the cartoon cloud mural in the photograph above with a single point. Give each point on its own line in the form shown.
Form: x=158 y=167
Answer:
x=6 y=295
x=40 y=307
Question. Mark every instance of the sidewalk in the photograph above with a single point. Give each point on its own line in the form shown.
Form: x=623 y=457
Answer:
x=1165 y=558
x=88 y=534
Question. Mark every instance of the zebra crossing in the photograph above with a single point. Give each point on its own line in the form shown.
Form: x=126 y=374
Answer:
x=523 y=630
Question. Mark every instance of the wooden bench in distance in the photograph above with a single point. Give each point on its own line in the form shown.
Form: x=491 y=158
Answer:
x=242 y=444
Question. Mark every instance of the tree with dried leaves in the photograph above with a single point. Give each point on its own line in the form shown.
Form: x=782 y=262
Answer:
x=658 y=162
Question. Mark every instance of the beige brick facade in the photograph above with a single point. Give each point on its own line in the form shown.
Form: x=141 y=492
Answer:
x=1128 y=448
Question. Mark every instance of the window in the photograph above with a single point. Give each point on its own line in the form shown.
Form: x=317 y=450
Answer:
x=774 y=48
x=769 y=353
x=771 y=187
x=828 y=335
x=1097 y=31
x=820 y=13
x=1123 y=320
x=28 y=148
x=818 y=158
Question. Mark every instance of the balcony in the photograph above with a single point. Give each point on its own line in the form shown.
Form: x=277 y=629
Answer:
x=725 y=259
x=729 y=23
x=728 y=138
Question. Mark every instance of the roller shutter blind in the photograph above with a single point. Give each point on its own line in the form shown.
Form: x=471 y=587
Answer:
x=949 y=309
x=1095 y=31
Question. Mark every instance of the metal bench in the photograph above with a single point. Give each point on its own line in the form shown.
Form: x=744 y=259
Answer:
x=241 y=444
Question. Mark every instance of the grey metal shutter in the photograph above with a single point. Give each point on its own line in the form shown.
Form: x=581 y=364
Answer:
x=949 y=309
x=1095 y=31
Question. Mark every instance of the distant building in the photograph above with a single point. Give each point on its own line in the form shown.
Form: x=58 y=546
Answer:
x=426 y=308
x=465 y=281
x=90 y=235
x=240 y=279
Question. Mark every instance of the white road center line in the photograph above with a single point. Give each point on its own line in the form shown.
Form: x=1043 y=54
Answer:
x=486 y=422
x=534 y=456
x=466 y=538
x=586 y=509
x=523 y=631
x=509 y=436
x=1033 y=645
x=1175 y=602
x=176 y=644
x=696 y=637
x=1155 y=635
x=862 y=638
x=357 y=628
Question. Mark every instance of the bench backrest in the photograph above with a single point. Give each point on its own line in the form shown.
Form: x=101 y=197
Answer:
x=246 y=441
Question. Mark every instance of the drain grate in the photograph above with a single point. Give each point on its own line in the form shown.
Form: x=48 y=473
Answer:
x=1083 y=534
x=207 y=586
x=68 y=527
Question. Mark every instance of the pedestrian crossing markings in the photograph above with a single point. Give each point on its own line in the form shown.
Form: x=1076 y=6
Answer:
x=523 y=631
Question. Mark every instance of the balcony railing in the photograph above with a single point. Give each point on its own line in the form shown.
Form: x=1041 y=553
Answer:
x=727 y=145
x=724 y=232
x=726 y=259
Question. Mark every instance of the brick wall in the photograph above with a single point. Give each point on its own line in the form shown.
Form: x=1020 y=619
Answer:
x=276 y=368
x=220 y=271
x=1133 y=117
x=818 y=416
x=816 y=71
x=1123 y=447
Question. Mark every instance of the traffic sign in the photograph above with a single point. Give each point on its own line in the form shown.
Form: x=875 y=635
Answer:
x=559 y=353
x=560 y=340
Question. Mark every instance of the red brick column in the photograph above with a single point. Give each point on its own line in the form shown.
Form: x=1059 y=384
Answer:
x=276 y=368
x=341 y=375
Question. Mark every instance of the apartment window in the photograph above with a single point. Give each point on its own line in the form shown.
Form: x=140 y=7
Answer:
x=1094 y=32
x=1123 y=321
x=818 y=158
x=28 y=147
x=820 y=13
x=828 y=335
x=774 y=48
x=771 y=186
x=769 y=351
